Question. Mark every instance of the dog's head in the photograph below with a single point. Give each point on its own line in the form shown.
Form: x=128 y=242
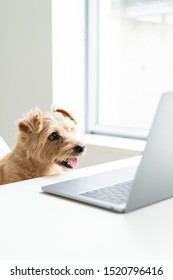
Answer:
x=50 y=137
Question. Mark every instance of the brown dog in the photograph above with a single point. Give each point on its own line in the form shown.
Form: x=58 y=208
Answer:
x=46 y=142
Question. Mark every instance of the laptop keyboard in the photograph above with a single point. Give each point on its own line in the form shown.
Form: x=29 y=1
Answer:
x=117 y=193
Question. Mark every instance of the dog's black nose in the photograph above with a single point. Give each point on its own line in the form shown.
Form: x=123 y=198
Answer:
x=79 y=148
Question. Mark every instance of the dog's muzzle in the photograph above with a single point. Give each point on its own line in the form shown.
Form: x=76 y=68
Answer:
x=72 y=162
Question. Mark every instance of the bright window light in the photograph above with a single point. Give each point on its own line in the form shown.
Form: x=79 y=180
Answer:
x=130 y=64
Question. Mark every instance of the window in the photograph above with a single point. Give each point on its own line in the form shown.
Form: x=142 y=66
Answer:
x=130 y=64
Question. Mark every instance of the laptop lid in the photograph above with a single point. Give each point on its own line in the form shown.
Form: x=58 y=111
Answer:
x=154 y=179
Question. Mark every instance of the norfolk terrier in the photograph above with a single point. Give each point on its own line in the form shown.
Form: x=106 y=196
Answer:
x=46 y=142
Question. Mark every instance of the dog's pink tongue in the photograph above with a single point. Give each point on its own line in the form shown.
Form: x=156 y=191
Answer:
x=73 y=162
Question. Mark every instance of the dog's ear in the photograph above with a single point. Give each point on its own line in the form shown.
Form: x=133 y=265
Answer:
x=65 y=113
x=32 y=123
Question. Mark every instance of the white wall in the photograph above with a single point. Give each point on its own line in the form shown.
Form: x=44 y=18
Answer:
x=68 y=37
x=25 y=60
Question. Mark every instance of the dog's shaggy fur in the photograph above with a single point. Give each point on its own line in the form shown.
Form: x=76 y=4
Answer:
x=46 y=142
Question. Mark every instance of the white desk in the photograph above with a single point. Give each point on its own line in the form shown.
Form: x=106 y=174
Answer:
x=34 y=225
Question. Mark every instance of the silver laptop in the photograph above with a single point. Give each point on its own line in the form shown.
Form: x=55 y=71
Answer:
x=131 y=188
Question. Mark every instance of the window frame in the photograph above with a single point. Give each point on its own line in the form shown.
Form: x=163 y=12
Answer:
x=92 y=81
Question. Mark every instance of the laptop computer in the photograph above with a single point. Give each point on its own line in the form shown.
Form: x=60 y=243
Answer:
x=130 y=188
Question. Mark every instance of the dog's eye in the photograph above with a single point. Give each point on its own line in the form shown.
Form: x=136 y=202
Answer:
x=53 y=136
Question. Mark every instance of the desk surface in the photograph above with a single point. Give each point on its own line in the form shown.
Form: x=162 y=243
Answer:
x=35 y=225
